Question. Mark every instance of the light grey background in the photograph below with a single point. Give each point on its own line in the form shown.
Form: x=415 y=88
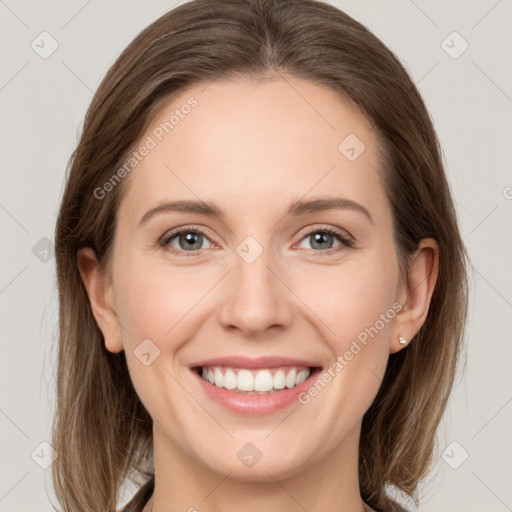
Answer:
x=42 y=104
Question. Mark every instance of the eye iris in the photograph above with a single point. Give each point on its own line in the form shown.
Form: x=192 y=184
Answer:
x=320 y=237
x=191 y=240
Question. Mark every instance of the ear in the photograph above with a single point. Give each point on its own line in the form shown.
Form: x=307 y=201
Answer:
x=100 y=293
x=416 y=293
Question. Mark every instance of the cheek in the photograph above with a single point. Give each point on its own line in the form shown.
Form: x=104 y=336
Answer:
x=352 y=306
x=157 y=301
x=351 y=298
x=354 y=311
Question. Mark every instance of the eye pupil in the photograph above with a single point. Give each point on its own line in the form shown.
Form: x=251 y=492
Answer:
x=191 y=240
x=320 y=237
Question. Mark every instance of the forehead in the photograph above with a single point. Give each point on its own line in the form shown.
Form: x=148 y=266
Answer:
x=250 y=142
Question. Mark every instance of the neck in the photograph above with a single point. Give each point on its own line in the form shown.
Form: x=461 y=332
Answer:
x=183 y=483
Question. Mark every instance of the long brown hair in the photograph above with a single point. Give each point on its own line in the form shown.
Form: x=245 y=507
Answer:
x=101 y=430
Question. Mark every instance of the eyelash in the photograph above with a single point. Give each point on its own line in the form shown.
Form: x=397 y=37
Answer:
x=345 y=241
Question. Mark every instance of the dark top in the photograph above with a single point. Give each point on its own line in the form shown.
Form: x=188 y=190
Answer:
x=142 y=496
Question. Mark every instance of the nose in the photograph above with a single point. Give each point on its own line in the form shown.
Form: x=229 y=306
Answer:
x=257 y=299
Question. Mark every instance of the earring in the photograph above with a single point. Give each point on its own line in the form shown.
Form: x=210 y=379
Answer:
x=403 y=341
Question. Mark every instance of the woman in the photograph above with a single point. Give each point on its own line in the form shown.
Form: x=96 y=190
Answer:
x=208 y=342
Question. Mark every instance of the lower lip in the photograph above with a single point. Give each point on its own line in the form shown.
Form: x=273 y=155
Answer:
x=251 y=405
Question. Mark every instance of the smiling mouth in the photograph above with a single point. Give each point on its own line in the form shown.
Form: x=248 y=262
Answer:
x=264 y=381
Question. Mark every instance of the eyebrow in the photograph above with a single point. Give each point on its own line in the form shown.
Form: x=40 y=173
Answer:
x=297 y=208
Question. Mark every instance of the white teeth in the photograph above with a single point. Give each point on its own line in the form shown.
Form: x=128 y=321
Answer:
x=301 y=377
x=230 y=379
x=279 y=380
x=219 y=378
x=263 y=381
x=245 y=381
x=290 y=378
x=255 y=381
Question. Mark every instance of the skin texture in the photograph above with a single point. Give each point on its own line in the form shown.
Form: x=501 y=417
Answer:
x=252 y=148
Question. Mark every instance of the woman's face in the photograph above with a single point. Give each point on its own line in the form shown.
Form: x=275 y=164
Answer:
x=263 y=288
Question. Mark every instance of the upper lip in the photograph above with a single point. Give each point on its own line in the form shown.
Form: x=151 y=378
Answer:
x=258 y=362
